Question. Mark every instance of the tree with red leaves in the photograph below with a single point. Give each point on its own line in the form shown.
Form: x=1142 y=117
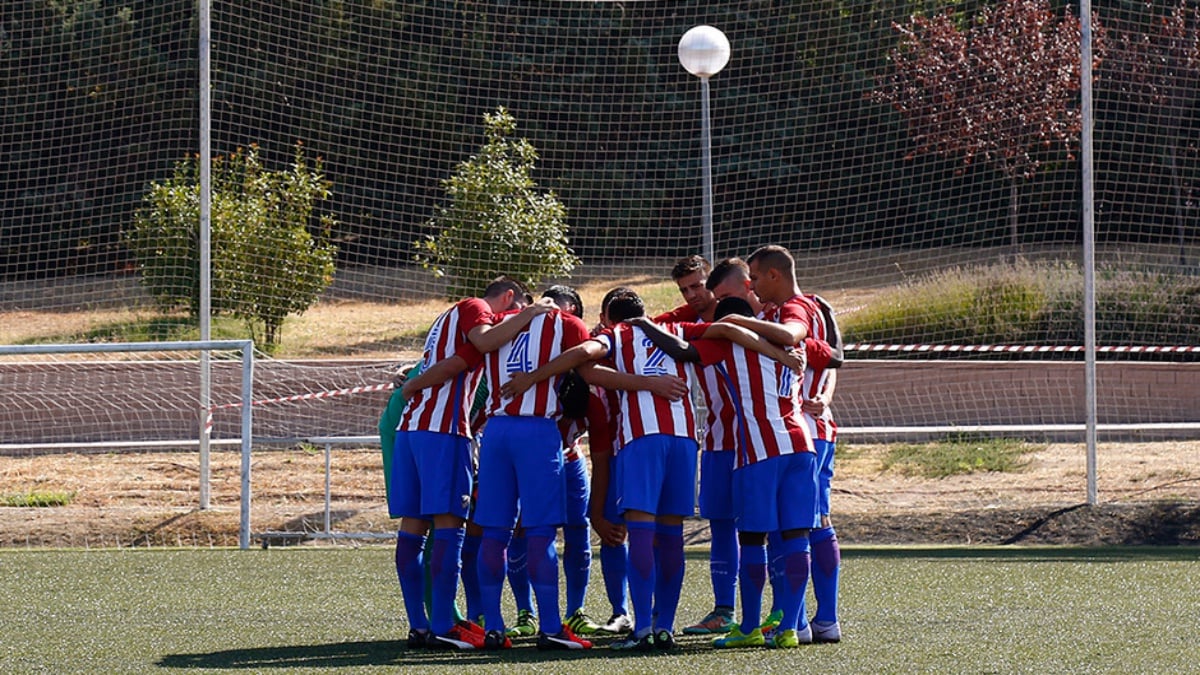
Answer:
x=1001 y=89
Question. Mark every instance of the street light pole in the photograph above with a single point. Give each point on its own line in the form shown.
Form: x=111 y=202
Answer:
x=704 y=51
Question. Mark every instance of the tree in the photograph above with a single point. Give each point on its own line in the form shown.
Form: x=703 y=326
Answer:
x=1000 y=89
x=496 y=221
x=1154 y=75
x=271 y=254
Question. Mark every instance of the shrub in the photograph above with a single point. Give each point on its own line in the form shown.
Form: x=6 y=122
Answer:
x=495 y=221
x=271 y=254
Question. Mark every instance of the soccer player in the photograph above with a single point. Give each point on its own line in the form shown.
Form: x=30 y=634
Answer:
x=656 y=465
x=690 y=275
x=521 y=464
x=431 y=459
x=775 y=479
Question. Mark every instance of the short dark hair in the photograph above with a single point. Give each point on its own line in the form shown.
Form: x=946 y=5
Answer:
x=613 y=294
x=732 y=305
x=774 y=257
x=506 y=283
x=561 y=295
x=688 y=265
x=625 y=307
x=725 y=269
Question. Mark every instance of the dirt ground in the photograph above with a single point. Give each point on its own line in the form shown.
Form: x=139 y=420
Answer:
x=1148 y=493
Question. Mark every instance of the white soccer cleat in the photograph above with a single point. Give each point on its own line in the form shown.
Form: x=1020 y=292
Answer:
x=826 y=632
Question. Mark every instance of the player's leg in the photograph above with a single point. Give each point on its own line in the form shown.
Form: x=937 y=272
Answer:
x=716 y=506
x=577 y=544
x=754 y=498
x=445 y=465
x=496 y=514
x=404 y=502
x=614 y=560
x=797 y=516
x=470 y=571
x=826 y=553
x=518 y=583
x=678 y=500
x=642 y=472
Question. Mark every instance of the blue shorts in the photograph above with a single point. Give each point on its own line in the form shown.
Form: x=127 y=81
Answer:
x=579 y=491
x=521 y=465
x=611 y=512
x=824 y=474
x=716 y=484
x=431 y=475
x=779 y=493
x=658 y=475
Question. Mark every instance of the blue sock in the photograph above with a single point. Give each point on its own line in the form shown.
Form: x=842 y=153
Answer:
x=670 y=575
x=614 y=563
x=641 y=574
x=723 y=563
x=775 y=567
x=826 y=560
x=577 y=564
x=543 y=576
x=445 y=567
x=518 y=572
x=492 y=565
x=470 y=575
x=752 y=577
x=794 y=583
x=410 y=570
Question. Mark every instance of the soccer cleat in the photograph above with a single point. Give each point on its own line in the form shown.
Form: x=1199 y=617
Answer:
x=664 y=641
x=737 y=639
x=525 y=626
x=582 y=624
x=461 y=638
x=720 y=620
x=773 y=621
x=805 y=635
x=633 y=643
x=417 y=639
x=826 y=632
x=619 y=624
x=563 y=639
x=495 y=640
x=783 y=639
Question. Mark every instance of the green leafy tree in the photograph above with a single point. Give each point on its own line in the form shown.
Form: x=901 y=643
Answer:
x=496 y=221
x=271 y=254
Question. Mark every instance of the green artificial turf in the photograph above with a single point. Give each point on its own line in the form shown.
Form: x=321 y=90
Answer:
x=903 y=610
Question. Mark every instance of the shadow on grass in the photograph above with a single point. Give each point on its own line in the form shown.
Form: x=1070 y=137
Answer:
x=397 y=653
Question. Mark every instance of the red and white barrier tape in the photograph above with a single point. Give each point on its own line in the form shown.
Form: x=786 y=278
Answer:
x=208 y=420
x=1018 y=349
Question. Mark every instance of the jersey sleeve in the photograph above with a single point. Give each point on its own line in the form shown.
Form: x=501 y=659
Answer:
x=681 y=314
x=575 y=331
x=471 y=354
x=817 y=353
x=474 y=312
x=712 y=351
x=607 y=339
x=692 y=331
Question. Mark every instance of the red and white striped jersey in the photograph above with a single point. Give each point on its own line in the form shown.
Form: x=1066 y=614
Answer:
x=546 y=336
x=769 y=421
x=445 y=408
x=815 y=378
x=643 y=413
x=718 y=423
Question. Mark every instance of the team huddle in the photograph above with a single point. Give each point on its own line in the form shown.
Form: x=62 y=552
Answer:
x=528 y=381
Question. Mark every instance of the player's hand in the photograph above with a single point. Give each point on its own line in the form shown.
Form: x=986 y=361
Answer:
x=519 y=384
x=669 y=387
x=795 y=360
x=610 y=534
x=815 y=406
x=408 y=390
